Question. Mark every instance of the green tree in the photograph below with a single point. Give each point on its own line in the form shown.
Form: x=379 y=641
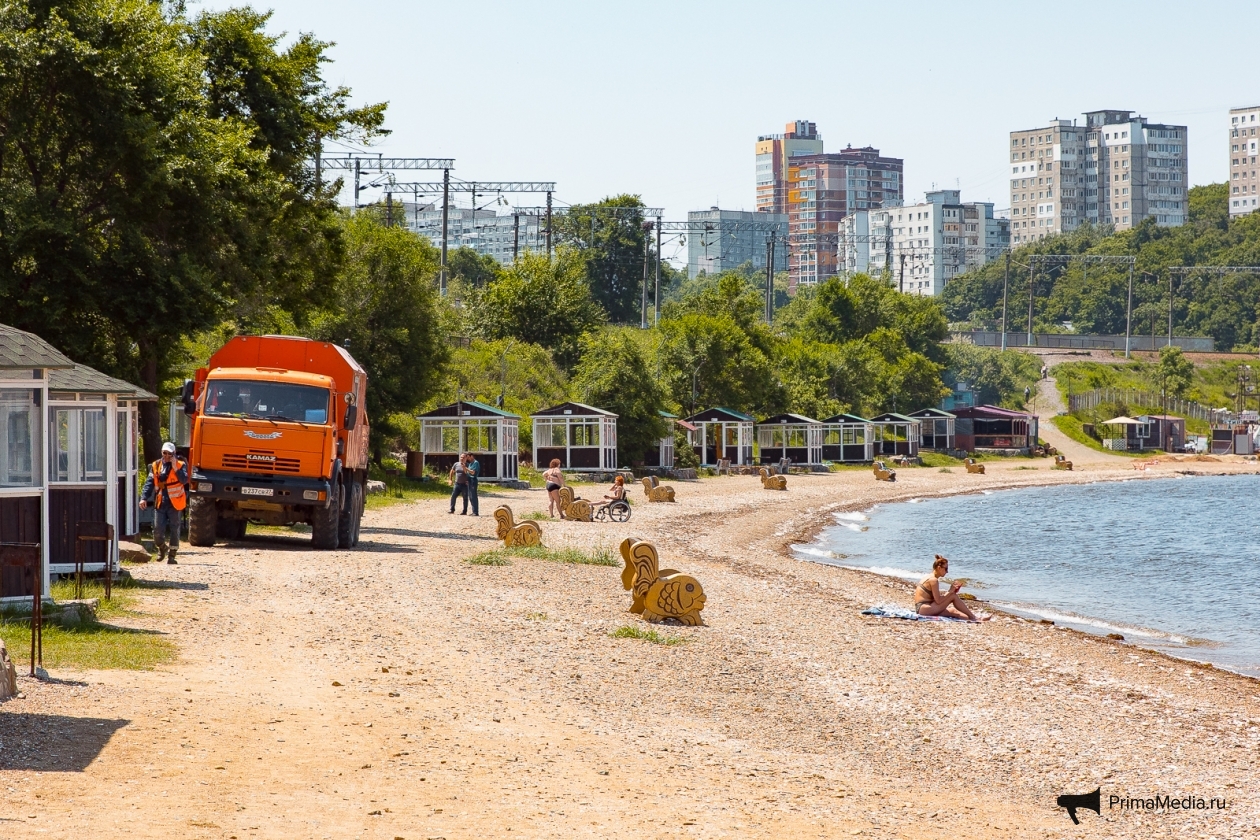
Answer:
x=707 y=360
x=385 y=305
x=610 y=236
x=614 y=375
x=136 y=208
x=475 y=270
x=1175 y=371
x=996 y=377
x=540 y=302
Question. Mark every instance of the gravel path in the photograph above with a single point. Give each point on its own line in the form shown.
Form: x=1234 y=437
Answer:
x=395 y=691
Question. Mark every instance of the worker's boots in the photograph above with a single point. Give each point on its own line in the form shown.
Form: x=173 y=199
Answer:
x=161 y=553
x=170 y=557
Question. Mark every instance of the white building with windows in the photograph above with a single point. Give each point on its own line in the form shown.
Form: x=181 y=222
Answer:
x=923 y=245
x=1243 y=182
x=498 y=235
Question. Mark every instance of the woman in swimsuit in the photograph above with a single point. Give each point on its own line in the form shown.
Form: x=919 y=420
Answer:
x=928 y=599
x=615 y=493
x=555 y=480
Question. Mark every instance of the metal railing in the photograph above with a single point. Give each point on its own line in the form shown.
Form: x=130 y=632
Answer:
x=1087 y=400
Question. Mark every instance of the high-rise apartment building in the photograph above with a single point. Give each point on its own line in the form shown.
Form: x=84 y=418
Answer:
x=773 y=153
x=486 y=232
x=816 y=190
x=1243 y=182
x=924 y=245
x=1116 y=169
x=719 y=240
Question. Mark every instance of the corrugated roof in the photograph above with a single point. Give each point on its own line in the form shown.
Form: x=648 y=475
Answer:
x=20 y=349
x=576 y=409
x=699 y=416
x=787 y=419
x=88 y=380
x=846 y=418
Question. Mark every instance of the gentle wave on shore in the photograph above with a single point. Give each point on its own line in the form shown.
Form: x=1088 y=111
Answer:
x=1170 y=564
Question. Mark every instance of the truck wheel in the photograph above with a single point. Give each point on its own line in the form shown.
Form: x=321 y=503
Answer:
x=325 y=522
x=203 y=521
x=351 y=513
x=231 y=529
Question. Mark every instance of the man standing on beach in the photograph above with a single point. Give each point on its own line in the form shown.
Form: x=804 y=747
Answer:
x=473 y=466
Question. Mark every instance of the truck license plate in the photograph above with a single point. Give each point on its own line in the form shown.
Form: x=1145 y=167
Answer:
x=257 y=491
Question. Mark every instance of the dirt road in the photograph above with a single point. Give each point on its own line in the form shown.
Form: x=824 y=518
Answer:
x=395 y=691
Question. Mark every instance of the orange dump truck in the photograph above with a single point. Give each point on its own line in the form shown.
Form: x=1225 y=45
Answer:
x=279 y=436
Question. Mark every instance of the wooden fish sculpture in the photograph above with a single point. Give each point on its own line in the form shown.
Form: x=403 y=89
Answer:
x=659 y=594
x=655 y=491
x=1061 y=463
x=973 y=466
x=574 y=508
x=512 y=534
x=882 y=473
x=772 y=482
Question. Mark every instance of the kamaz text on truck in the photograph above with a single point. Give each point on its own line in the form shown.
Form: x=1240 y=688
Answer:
x=279 y=436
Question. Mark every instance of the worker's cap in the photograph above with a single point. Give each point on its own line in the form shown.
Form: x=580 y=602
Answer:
x=168 y=447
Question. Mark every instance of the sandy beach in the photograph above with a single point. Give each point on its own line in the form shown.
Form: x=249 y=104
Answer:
x=396 y=691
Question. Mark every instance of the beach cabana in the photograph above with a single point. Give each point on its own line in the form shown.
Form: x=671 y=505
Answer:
x=722 y=434
x=848 y=438
x=989 y=428
x=792 y=436
x=68 y=455
x=896 y=434
x=662 y=455
x=583 y=437
x=490 y=433
x=936 y=429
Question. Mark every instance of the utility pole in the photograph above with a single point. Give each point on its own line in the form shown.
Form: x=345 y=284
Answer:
x=389 y=209
x=656 y=297
x=647 y=250
x=319 y=147
x=446 y=221
x=1170 y=308
x=1032 y=276
x=1006 y=282
x=888 y=249
x=1128 y=319
x=548 y=226
x=901 y=279
x=516 y=236
x=356 y=185
x=769 y=279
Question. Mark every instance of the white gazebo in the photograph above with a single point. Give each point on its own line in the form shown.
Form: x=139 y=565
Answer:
x=936 y=429
x=662 y=455
x=582 y=437
x=490 y=433
x=793 y=436
x=896 y=434
x=68 y=455
x=722 y=434
x=848 y=438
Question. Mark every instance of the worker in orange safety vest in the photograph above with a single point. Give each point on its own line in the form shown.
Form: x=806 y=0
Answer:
x=166 y=489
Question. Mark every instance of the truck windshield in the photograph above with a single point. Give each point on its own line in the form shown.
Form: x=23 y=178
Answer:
x=266 y=401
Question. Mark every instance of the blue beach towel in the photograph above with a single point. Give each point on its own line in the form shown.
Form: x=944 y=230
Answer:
x=909 y=615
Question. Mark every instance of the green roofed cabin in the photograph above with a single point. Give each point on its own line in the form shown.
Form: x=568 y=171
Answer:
x=848 y=439
x=793 y=436
x=722 y=434
x=583 y=438
x=490 y=433
x=68 y=454
x=662 y=455
x=896 y=434
x=936 y=429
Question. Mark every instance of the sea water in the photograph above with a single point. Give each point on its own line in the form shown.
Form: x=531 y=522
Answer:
x=1172 y=564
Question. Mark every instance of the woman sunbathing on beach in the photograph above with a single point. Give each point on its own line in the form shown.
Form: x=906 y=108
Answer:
x=928 y=599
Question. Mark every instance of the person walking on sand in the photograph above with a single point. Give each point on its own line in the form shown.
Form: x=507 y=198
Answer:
x=165 y=489
x=554 y=479
x=473 y=467
x=928 y=599
x=459 y=483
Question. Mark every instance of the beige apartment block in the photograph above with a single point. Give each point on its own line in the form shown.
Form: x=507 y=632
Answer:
x=1115 y=169
x=1243 y=183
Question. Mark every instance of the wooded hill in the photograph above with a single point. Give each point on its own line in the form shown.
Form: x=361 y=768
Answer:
x=1092 y=298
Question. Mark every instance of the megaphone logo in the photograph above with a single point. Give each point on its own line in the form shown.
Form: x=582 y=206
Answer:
x=1072 y=801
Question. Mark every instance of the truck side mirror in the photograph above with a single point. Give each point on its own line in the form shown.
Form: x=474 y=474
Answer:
x=352 y=417
x=186 y=395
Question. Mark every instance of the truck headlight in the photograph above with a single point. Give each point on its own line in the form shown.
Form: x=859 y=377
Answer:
x=312 y=495
x=205 y=487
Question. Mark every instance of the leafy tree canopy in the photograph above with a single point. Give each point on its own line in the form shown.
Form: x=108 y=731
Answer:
x=615 y=375
x=610 y=236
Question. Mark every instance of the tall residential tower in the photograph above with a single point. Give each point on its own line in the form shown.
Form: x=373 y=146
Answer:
x=1116 y=169
x=1242 y=160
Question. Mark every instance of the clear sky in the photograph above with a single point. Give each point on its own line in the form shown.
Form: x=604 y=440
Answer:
x=666 y=99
